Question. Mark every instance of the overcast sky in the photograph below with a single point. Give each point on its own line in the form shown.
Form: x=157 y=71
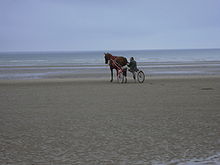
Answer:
x=28 y=25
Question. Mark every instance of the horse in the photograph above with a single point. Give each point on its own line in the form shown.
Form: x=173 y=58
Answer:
x=116 y=62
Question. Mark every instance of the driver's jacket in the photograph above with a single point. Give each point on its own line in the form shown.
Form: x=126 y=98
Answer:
x=133 y=66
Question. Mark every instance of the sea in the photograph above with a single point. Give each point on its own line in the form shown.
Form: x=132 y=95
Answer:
x=86 y=64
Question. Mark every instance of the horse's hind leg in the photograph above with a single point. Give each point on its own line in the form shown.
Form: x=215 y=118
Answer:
x=117 y=74
x=125 y=75
x=111 y=75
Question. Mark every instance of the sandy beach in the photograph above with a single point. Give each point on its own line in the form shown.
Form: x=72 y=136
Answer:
x=89 y=122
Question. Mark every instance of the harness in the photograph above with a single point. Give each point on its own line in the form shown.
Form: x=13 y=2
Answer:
x=118 y=66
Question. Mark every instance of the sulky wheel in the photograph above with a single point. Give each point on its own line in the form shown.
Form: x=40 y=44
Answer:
x=140 y=76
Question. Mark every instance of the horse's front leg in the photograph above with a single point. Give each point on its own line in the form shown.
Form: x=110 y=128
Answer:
x=111 y=75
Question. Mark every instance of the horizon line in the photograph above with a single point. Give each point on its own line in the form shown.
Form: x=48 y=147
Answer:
x=106 y=50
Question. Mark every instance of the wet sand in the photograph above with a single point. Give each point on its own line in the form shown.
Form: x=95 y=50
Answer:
x=89 y=122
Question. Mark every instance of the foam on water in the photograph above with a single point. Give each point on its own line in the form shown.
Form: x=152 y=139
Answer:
x=211 y=160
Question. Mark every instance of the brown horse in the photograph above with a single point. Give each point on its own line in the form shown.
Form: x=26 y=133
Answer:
x=116 y=63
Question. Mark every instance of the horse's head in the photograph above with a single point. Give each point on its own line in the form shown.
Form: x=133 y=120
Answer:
x=107 y=57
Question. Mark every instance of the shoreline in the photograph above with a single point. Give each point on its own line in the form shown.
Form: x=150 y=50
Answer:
x=201 y=68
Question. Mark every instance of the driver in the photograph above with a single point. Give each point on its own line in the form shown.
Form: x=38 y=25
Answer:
x=132 y=66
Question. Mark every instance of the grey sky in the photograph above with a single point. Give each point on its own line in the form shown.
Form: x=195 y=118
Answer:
x=108 y=24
